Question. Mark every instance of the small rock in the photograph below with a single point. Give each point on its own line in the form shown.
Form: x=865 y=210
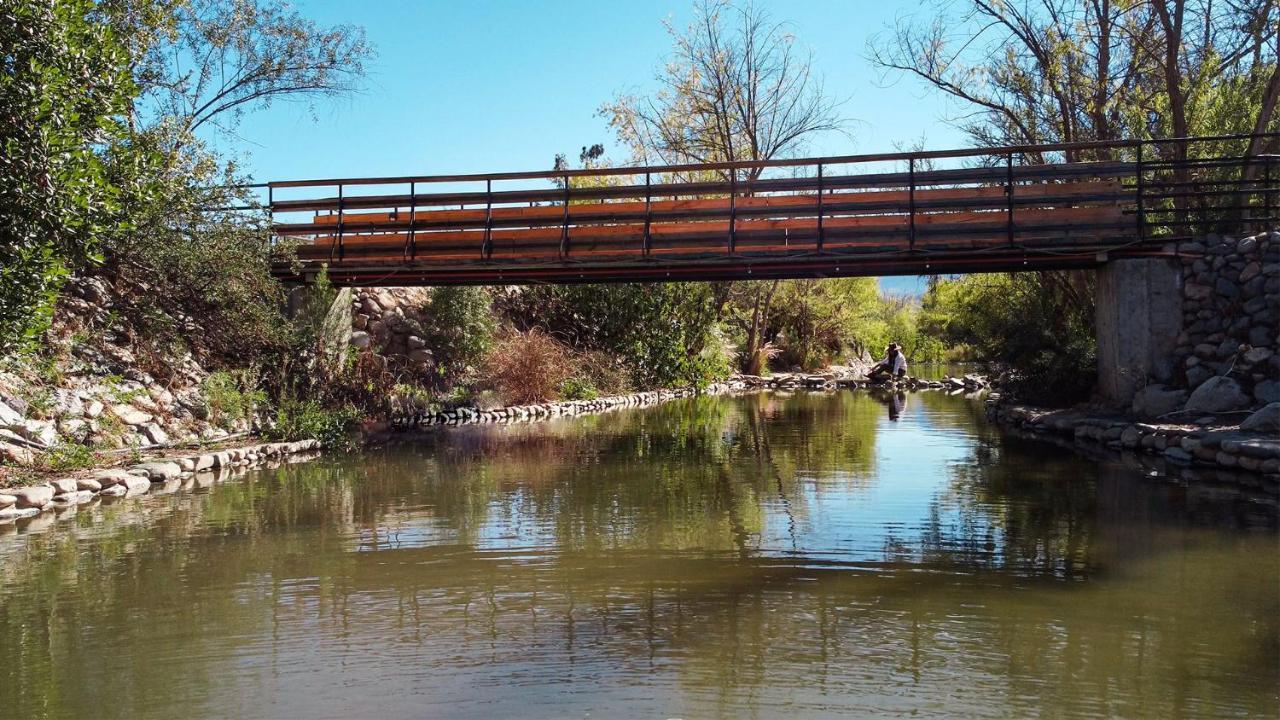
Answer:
x=16 y=513
x=88 y=484
x=155 y=433
x=131 y=415
x=62 y=486
x=111 y=476
x=360 y=339
x=93 y=409
x=1267 y=391
x=7 y=500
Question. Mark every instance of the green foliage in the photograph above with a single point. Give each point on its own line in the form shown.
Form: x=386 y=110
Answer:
x=813 y=321
x=308 y=419
x=63 y=89
x=229 y=397
x=663 y=332
x=67 y=456
x=1039 y=324
x=459 y=329
x=578 y=389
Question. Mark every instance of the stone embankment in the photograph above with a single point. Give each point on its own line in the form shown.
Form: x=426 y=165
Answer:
x=157 y=475
x=99 y=395
x=1252 y=446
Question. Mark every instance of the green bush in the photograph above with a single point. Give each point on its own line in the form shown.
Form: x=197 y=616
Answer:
x=578 y=389
x=227 y=399
x=308 y=419
x=459 y=329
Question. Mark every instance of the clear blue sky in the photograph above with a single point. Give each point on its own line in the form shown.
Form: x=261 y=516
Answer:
x=492 y=85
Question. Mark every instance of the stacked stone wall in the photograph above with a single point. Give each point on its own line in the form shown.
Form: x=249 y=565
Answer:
x=1231 y=315
x=389 y=322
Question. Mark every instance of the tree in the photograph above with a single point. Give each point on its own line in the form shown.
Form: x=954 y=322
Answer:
x=1050 y=71
x=64 y=86
x=736 y=88
x=208 y=62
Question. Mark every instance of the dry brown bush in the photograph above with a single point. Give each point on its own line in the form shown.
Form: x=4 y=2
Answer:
x=526 y=367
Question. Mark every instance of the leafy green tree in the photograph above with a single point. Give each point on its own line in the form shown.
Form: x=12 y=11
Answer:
x=64 y=86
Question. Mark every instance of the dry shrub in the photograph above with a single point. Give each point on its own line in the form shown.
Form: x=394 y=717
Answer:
x=526 y=367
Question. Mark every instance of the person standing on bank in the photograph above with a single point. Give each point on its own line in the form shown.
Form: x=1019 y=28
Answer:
x=894 y=365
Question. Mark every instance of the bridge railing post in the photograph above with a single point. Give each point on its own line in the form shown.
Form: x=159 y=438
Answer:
x=342 y=250
x=1008 y=194
x=911 y=203
x=413 y=221
x=1141 y=187
x=822 y=231
x=564 y=227
x=486 y=251
x=733 y=210
x=648 y=213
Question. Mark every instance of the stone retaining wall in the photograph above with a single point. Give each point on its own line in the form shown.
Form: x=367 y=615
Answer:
x=388 y=321
x=1231 y=316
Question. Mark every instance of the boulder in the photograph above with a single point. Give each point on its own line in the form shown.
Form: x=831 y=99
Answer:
x=88 y=484
x=157 y=471
x=6 y=500
x=1153 y=401
x=34 y=496
x=360 y=339
x=62 y=486
x=1266 y=420
x=111 y=476
x=1217 y=394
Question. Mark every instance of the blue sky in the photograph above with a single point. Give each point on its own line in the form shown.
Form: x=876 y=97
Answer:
x=493 y=85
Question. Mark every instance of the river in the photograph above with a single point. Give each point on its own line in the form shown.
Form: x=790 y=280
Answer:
x=767 y=555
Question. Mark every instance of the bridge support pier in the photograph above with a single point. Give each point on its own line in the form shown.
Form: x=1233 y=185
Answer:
x=1139 y=317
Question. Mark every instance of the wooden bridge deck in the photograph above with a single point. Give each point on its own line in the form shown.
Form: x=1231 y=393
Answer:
x=735 y=220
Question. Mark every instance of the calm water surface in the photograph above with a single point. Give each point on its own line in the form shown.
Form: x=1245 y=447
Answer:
x=763 y=556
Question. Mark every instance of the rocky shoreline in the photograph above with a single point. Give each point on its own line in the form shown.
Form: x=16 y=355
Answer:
x=150 y=477
x=835 y=379
x=1250 y=447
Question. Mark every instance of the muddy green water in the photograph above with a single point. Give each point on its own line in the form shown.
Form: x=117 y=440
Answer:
x=759 y=556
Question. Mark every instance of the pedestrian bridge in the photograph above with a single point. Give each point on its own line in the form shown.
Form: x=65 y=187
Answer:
x=1034 y=207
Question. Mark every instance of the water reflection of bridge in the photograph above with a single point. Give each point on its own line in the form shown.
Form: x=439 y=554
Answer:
x=976 y=210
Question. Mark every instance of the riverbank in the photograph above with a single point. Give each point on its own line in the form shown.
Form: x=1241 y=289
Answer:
x=161 y=474
x=1249 y=446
